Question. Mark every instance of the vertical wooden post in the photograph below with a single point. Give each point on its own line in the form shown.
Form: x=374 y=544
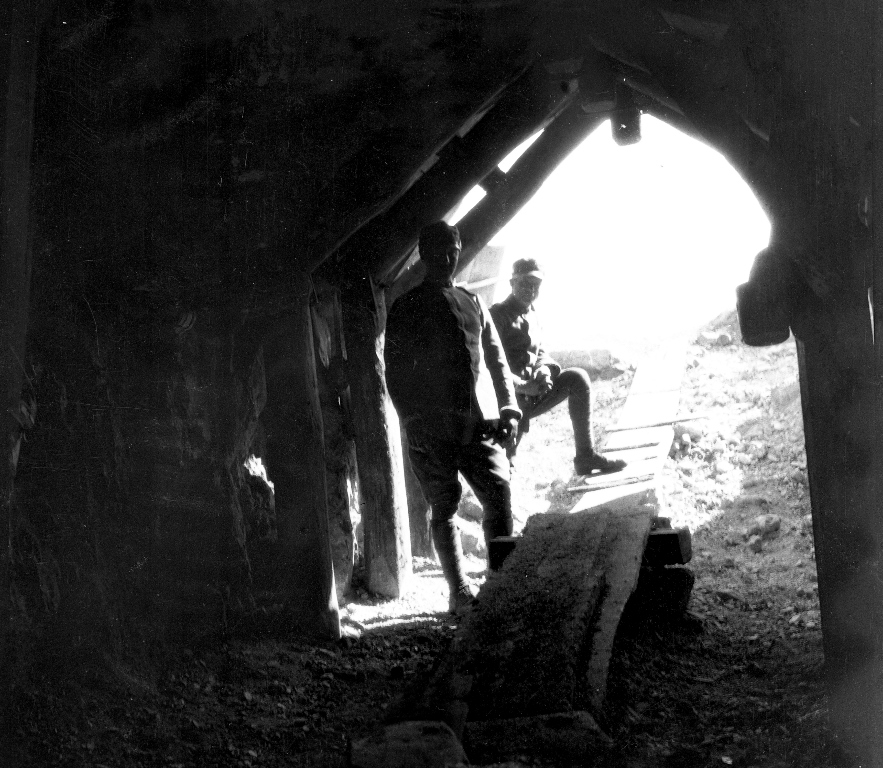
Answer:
x=296 y=465
x=18 y=66
x=378 y=444
x=844 y=444
x=418 y=508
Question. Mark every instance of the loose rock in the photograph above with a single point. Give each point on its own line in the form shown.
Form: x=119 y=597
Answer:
x=733 y=540
x=758 y=450
x=765 y=526
x=755 y=544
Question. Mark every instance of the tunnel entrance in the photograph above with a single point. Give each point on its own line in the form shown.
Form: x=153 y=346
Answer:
x=639 y=242
x=207 y=202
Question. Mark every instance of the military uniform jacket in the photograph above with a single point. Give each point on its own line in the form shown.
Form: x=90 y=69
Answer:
x=444 y=358
x=520 y=335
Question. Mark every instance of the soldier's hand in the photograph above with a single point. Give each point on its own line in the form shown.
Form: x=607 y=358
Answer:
x=543 y=378
x=507 y=432
x=531 y=388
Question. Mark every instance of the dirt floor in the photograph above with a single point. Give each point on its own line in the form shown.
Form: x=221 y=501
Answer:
x=737 y=680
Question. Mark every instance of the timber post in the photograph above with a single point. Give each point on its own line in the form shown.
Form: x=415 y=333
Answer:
x=296 y=464
x=378 y=443
x=18 y=67
x=418 y=508
x=844 y=445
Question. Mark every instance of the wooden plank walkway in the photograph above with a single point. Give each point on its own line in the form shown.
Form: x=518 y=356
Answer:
x=654 y=397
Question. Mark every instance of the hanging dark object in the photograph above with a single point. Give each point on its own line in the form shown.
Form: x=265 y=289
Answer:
x=763 y=304
x=625 y=119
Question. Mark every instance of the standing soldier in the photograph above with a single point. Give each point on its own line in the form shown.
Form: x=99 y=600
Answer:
x=449 y=381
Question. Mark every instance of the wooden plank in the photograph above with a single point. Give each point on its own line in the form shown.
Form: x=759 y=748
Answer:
x=637 y=481
x=612 y=483
x=650 y=444
x=524 y=644
x=651 y=406
x=676 y=420
x=622 y=567
x=656 y=388
x=653 y=400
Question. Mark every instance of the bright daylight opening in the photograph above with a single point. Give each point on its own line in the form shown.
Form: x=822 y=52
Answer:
x=640 y=243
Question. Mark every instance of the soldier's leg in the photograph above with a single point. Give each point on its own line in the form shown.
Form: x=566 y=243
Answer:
x=485 y=467
x=573 y=385
x=435 y=462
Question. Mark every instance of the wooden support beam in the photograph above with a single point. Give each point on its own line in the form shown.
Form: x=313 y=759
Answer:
x=378 y=444
x=358 y=219
x=843 y=420
x=381 y=246
x=523 y=180
x=19 y=46
x=844 y=445
x=419 y=513
x=296 y=465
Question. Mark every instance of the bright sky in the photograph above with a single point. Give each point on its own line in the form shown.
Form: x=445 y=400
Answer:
x=638 y=243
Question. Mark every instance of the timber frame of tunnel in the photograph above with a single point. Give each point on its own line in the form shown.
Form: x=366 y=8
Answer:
x=207 y=207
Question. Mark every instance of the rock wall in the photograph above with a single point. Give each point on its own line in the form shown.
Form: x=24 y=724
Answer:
x=132 y=496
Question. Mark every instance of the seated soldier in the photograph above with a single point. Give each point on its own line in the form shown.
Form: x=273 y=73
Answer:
x=540 y=384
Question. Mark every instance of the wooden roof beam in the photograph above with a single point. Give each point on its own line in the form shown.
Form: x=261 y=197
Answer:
x=523 y=180
x=383 y=244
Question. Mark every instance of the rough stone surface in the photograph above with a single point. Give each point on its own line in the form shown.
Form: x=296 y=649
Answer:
x=565 y=735
x=413 y=744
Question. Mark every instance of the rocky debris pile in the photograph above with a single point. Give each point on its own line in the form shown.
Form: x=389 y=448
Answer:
x=714 y=338
x=738 y=477
x=749 y=422
x=763 y=527
x=600 y=364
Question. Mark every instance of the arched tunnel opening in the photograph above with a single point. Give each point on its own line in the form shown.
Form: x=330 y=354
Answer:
x=646 y=239
x=209 y=215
